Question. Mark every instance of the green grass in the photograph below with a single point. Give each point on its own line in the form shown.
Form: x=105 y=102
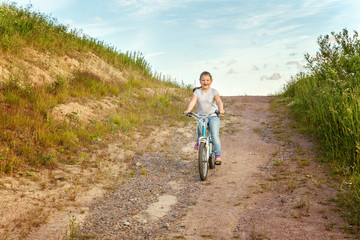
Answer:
x=22 y=27
x=30 y=136
x=326 y=100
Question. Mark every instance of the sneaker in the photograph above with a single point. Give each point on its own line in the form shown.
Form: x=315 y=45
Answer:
x=196 y=147
x=218 y=160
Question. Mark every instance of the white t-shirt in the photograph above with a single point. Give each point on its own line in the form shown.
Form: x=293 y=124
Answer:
x=206 y=103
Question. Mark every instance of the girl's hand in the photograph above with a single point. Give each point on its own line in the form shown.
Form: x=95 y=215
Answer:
x=222 y=111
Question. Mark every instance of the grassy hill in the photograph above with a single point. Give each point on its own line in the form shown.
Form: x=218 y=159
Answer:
x=44 y=67
x=65 y=98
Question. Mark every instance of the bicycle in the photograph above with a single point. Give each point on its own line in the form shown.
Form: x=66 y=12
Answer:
x=206 y=153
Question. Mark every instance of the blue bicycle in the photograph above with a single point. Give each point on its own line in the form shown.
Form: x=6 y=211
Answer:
x=206 y=148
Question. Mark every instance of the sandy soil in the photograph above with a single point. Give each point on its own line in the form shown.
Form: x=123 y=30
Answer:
x=40 y=68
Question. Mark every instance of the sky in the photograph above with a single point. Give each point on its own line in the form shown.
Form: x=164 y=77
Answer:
x=251 y=47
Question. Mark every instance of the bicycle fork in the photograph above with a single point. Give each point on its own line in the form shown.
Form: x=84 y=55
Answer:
x=205 y=139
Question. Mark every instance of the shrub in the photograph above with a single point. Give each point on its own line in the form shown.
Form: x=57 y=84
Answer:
x=326 y=99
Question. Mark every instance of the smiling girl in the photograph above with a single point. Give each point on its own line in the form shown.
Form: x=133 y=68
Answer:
x=208 y=100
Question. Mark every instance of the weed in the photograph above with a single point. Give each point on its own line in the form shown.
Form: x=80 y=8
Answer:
x=257 y=131
x=207 y=236
x=301 y=203
x=278 y=162
x=291 y=185
x=303 y=162
x=330 y=226
x=73 y=231
x=257 y=236
x=296 y=216
x=132 y=174
x=143 y=171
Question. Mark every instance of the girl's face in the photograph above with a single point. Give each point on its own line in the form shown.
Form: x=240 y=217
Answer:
x=205 y=82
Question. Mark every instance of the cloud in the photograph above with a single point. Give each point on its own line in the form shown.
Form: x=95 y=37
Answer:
x=101 y=28
x=285 y=29
x=154 y=54
x=46 y=5
x=231 y=62
x=231 y=71
x=291 y=46
x=255 y=68
x=296 y=63
x=274 y=76
x=199 y=45
x=202 y=23
x=68 y=22
x=146 y=8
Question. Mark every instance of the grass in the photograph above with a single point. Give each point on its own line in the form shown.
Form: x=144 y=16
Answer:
x=23 y=27
x=325 y=99
x=257 y=236
x=31 y=137
x=73 y=231
x=26 y=116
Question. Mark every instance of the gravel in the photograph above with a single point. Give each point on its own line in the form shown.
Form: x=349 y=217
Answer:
x=121 y=214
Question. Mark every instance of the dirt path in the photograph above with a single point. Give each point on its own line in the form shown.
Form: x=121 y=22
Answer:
x=270 y=186
x=218 y=208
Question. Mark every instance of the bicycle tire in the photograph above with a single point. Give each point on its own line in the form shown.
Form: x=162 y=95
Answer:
x=203 y=162
x=212 y=156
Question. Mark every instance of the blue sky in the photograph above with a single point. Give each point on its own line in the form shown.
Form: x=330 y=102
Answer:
x=251 y=47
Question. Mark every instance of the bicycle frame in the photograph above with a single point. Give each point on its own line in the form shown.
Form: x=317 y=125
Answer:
x=205 y=133
x=206 y=156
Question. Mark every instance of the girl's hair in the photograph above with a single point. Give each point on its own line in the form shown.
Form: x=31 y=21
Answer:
x=204 y=73
x=196 y=88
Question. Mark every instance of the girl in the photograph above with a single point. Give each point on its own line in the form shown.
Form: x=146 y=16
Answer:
x=207 y=101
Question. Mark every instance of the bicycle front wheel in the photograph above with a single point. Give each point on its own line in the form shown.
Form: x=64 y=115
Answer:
x=211 y=156
x=203 y=162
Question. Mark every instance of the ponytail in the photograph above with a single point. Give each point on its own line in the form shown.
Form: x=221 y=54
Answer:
x=196 y=88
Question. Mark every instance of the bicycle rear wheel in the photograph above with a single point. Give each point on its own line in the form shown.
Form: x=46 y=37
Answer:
x=211 y=156
x=203 y=162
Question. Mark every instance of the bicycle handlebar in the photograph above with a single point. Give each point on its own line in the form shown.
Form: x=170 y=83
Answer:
x=190 y=114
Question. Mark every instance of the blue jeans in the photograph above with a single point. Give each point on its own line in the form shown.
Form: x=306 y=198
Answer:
x=214 y=124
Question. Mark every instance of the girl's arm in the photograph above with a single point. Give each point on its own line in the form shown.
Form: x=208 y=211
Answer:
x=219 y=104
x=191 y=104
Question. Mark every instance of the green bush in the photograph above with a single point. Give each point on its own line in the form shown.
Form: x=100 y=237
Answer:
x=326 y=99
